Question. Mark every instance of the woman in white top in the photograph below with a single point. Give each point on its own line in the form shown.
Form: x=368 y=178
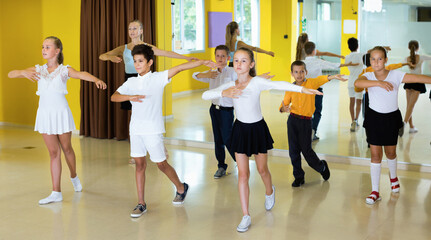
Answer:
x=124 y=53
x=413 y=89
x=232 y=33
x=383 y=118
x=250 y=134
x=54 y=119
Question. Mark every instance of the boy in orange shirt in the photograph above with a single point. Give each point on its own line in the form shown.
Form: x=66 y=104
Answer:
x=301 y=108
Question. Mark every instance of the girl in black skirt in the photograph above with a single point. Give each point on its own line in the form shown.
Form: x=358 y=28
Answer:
x=250 y=134
x=383 y=118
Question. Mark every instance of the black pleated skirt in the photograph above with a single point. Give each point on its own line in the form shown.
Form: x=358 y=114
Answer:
x=127 y=105
x=382 y=128
x=251 y=138
x=420 y=87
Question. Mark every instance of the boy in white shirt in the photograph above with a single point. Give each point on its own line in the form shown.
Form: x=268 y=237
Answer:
x=315 y=66
x=355 y=71
x=146 y=126
x=221 y=110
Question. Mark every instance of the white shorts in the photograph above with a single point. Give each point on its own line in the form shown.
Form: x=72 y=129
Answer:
x=353 y=94
x=140 y=144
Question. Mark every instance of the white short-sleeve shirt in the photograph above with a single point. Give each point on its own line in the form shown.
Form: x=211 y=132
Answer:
x=315 y=66
x=227 y=74
x=355 y=71
x=147 y=116
x=380 y=99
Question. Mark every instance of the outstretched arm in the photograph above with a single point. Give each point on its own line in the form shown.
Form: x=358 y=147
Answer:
x=113 y=55
x=118 y=97
x=87 y=77
x=349 y=64
x=329 y=54
x=29 y=73
x=363 y=82
x=256 y=49
x=170 y=54
x=416 y=78
x=175 y=70
x=338 y=77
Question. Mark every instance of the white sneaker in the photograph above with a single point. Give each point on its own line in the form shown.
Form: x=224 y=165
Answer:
x=76 y=184
x=270 y=200
x=244 y=224
x=413 y=130
x=54 y=197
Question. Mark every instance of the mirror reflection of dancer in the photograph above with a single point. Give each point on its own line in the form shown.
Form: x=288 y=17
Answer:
x=54 y=119
x=232 y=33
x=383 y=118
x=250 y=134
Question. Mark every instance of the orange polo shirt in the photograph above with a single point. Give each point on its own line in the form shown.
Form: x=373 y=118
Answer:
x=301 y=103
x=370 y=69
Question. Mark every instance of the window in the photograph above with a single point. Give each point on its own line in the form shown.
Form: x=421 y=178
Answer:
x=248 y=19
x=324 y=11
x=188 y=25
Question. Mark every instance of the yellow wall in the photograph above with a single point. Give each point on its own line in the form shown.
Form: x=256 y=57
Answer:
x=347 y=13
x=22 y=32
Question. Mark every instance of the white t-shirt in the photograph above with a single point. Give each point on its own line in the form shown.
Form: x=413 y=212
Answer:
x=247 y=106
x=147 y=117
x=227 y=74
x=418 y=65
x=381 y=100
x=315 y=65
x=355 y=71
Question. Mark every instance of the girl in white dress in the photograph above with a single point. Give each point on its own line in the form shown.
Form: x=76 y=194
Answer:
x=54 y=119
x=250 y=133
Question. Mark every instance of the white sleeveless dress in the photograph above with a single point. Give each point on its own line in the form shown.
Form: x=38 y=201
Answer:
x=53 y=115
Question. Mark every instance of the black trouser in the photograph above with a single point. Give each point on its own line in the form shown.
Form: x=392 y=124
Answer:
x=299 y=136
x=222 y=123
x=318 y=103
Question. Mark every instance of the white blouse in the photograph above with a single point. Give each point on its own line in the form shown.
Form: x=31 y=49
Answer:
x=55 y=81
x=418 y=65
x=247 y=106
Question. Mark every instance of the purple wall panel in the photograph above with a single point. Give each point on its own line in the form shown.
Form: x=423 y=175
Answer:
x=217 y=22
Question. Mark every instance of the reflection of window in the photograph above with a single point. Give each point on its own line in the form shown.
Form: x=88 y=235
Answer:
x=324 y=11
x=247 y=16
x=188 y=25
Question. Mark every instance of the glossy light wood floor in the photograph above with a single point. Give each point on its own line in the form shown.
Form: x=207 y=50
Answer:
x=191 y=121
x=318 y=210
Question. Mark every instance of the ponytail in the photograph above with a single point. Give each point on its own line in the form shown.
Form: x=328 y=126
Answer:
x=413 y=46
x=59 y=45
x=302 y=39
x=230 y=30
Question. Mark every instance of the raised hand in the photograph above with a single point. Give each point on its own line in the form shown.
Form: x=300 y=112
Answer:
x=100 y=84
x=209 y=63
x=339 y=77
x=232 y=92
x=285 y=108
x=270 y=53
x=115 y=59
x=136 y=98
x=31 y=75
x=213 y=74
x=385 y=85
x=192 y=59
x=311 y=91
x=266 y=75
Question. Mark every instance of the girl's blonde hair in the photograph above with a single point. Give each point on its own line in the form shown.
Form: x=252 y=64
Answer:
x=230 y=30
x=59 y=45
x=142 y=28
x=302 y=40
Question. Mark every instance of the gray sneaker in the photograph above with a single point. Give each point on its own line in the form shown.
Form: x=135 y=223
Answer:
x=220 y=173
x=138 y=210
x=179 y=197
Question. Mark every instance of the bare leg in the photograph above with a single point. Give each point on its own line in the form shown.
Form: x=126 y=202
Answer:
x=391 y=151
x=53 y=144
x=243 y=177
x=351 y=109
x=358 y=108
x=262 y=168
x=171 y=174
x=66 y=145
x=412 y=97
x=376 y=153
x=141 y=165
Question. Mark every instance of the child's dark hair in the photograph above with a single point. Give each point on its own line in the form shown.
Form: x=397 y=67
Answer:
x=298 y=63
x=143 y=49
x=252 y=71
x=366 y=59
x=353 y=44
x=309 y=48
x=222 y=47
x=380 y=48
x=59 y=45
x=413 y=46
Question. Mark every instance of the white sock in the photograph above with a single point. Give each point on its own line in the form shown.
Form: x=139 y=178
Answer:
x=76 y=184
x=392 y=165
x=375 y=176
x=56 y=194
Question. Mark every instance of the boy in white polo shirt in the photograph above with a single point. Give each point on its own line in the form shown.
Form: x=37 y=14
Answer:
x=146 y=126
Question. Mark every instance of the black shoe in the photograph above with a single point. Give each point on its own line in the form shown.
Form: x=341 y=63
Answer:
x=298 y=182
x=325 y=173
x=401 y=130
x=179 y=197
